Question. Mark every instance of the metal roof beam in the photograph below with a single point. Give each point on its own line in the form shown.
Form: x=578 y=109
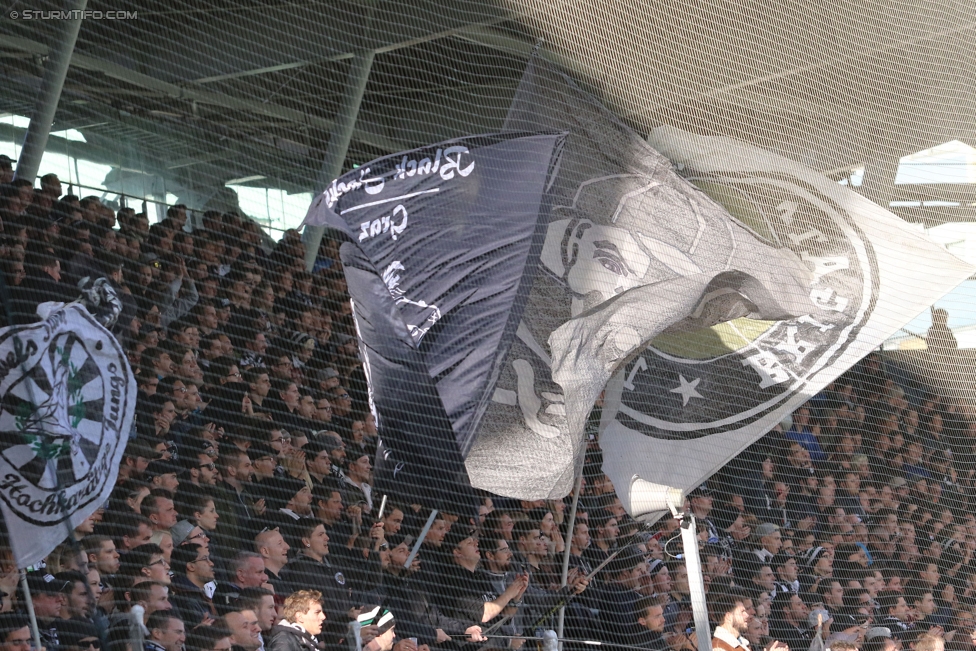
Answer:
x=193 y=94
x=392 y=47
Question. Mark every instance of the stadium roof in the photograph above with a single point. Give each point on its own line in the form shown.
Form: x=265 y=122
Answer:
x=205 y=92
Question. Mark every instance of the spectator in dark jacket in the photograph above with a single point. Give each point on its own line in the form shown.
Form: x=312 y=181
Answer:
x=43 y=283
x=313 y=567
x=416 y=614
x=192 y=571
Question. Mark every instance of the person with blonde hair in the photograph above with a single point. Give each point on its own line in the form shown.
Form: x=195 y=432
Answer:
x=301 y=621
x=930 y=642
x=165 y=541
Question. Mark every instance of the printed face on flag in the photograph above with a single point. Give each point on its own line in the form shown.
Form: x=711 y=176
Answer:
x=596 y=262
x=717 y=295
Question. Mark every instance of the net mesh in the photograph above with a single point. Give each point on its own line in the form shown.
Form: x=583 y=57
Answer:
x=197 y=134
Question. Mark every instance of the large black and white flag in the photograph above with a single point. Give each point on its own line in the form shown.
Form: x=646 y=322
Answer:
x=443 y=246
x=67 y=399
x=715 y=325
x=691 y=400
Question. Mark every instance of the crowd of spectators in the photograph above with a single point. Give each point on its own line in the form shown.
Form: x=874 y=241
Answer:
x=244 y=518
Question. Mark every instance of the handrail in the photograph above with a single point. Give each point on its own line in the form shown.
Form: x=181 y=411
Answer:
x=145 y=201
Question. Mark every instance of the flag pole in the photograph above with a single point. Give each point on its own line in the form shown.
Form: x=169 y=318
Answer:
x=699 y=607
x=569 y=544
x=30 y=610
x=420 y=539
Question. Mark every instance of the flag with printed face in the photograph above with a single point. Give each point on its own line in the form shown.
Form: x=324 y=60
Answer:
x=717 y=299
x=443 y=245
x=67 y=400
x=679 y=410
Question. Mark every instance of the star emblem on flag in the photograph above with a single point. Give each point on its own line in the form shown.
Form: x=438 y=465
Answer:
x=687 y=389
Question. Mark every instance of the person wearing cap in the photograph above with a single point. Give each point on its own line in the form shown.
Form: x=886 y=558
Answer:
x=328 y=378
x=313 y=566
x=818 y=566
x=6 y=169
x=901 y=488
x=48 y=595
x=463 y=592
x=138 y=455
x=301 y=622
x=702 y=501
x=879 y=638
x=164 y=474
x=731 y=526
x=302 y=349
x=187 y=532
x=404 y=593
x=193 y=576
x=287 y=500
